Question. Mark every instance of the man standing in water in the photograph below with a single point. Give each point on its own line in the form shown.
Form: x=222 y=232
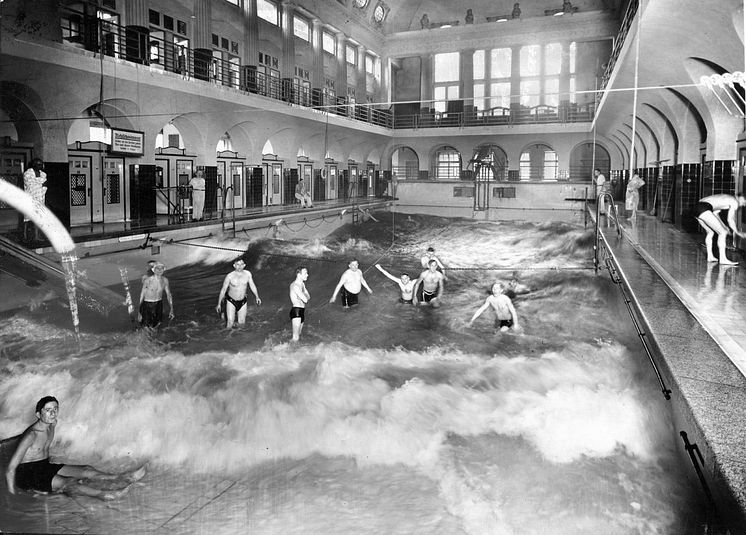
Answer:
x=29 y=467
x=151 y=298
x=406 y=285
x=351 y=283
x=430 y=255
x=707 y=213
x=299 y=296
x=503 y=307
x=234 y=293
x=432 y=285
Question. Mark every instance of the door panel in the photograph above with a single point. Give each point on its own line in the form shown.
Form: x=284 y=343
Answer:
x=276 y=192
x=11 y=165
x=113 y=189
x=80 y=190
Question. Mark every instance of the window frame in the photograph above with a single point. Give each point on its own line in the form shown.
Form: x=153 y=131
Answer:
x=262 y=13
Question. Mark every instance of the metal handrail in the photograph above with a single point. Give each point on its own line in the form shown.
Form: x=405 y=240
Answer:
x=596 y=247
x=224 y=194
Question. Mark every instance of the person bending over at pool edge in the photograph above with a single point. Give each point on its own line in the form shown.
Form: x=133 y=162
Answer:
x=708 y=210
x=234 y=294
x=350 y=284
x=151 y=298
x=299 y=297
x=503 y=307
x=29 y=467
x=406 y=285
x=432 y=285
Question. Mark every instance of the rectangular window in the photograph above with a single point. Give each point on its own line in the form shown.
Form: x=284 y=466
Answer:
x=329 y=43
x=351 y=52
x=154 y=17
x=181 y=27
x=551 y=92
x=550 y=165
x=530 y=93
x=552 y=59
x=224 y=43
x=500 y=62
x=235 y=2
x=215 y=40
x=301 y=28
x=369 y=64
x=446 y=76
x=446 y=67
x=478 y=61
x=268 y=11
x=479 y=101
x=530 y=60
x=500 y=94
x=168 y=22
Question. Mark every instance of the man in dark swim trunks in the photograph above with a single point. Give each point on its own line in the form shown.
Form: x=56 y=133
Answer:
x=151 y=297
x=350 y=284
x=707 y=213
x=299 y=296
x=29 y=467
x=234 y=294
x=432 y=285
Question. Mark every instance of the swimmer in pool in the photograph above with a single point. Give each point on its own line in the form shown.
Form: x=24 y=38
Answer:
x=234 y=294
x=503 y=307
x=432 y=285
x=299 y=297
x=406 y=285
x=350 y=283
x=151 y=298
x=430 y=255
x=29 y=467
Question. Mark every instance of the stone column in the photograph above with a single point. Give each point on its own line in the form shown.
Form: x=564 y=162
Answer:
x=317 y=74
x=341 y=82
x=515 y=79
x=288 y=41
x=202 y=39
x=426 y=81
x=250 y=34
x=361 y=91
x=466 y=74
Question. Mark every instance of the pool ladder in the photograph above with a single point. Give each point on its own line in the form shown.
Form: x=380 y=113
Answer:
x=224 y=194
x=597 y=246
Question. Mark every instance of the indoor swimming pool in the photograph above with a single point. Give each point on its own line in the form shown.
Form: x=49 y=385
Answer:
x=385 y=418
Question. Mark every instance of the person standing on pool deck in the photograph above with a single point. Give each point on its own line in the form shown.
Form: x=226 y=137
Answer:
x=29 y=467
x=151 y=298
x=198 y=195
x=503 y=307
x=234 y=294
x=707 y=213
x=432 y=285
x=299 y=297
x=406 y=285
x=350 y=284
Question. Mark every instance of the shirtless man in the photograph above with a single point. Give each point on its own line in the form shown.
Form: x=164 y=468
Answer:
x=351 y=282
x=707 y=213
x=149 y=271
x=406 y=285
x=432 y=285
x=29 y=467
x=151 y=298
x=430 y=255
x=503 y=307
x=234 y=293
x=299 y=296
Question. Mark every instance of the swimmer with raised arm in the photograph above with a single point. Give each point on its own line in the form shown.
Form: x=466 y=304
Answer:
x=234 y=293
x=503 y=307
x=406 y=285
x=707 y=213
x=29 y=467
x=350 y=284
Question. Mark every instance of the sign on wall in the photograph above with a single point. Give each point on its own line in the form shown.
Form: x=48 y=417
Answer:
x=128 y=142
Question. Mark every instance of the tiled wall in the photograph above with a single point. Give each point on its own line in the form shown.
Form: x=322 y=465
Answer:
x=666 y=210
x=688 y=192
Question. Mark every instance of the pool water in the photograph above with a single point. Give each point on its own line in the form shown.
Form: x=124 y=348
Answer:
x=386 y=418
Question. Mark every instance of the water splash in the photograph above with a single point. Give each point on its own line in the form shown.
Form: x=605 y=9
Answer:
x=54 y=230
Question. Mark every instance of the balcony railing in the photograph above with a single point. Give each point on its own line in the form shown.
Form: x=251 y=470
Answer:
x=629 y=17
x=88 y=31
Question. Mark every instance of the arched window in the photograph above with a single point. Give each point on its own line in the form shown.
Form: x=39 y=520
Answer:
x=405 y=164
x=538 y=162
x=446 y=164
x=494 y=163
x=583 y=161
